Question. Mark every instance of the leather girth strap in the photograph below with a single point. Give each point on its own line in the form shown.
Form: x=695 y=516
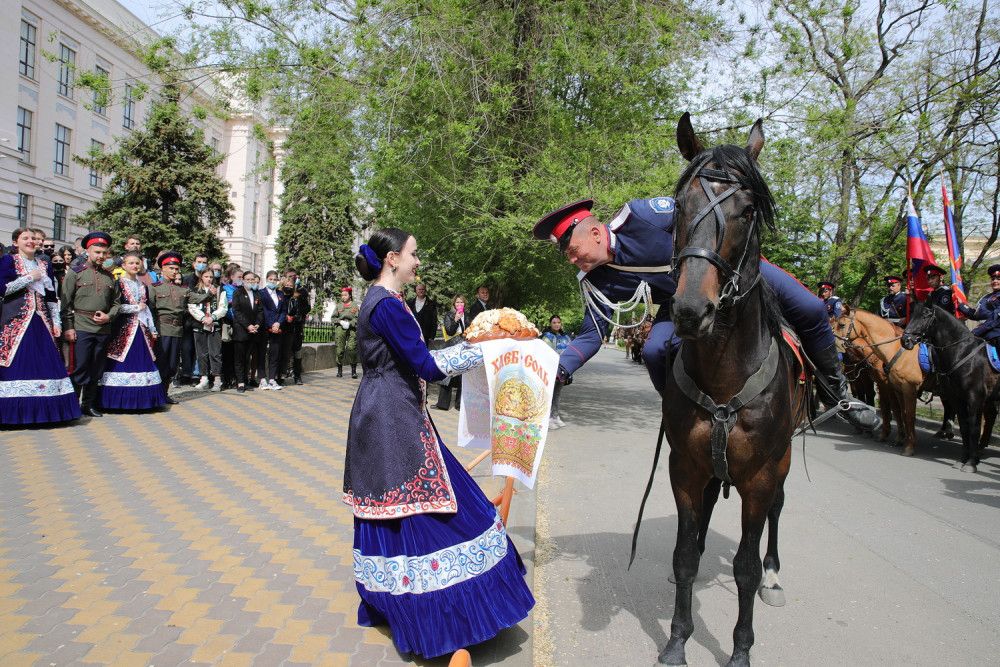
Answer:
x=724 y=416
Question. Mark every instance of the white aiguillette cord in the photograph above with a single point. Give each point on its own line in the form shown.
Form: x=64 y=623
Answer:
x=595 y=301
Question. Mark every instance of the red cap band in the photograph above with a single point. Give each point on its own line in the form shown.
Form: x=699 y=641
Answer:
x=97 y=241
x=573 y=215
x=170 y=260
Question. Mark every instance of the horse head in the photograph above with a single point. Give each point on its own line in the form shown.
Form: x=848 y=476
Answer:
x=846 y=329
x=721 y=200
x=920 y=324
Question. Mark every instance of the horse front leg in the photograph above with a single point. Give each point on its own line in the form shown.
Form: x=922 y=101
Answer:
x=946 y=432
x=770 y=590
x=908 y=407
x=689 y=488
x=758 y=497
x=969 y=422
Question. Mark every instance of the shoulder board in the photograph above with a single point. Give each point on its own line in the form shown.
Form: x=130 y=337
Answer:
x=79 y=268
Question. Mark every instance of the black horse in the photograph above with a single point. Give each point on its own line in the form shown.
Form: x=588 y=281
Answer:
x=967 y=381
x=733 y=399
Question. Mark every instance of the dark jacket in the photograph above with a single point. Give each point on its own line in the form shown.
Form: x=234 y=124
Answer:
x=454 y=325
x=475 y=309
x=273 y=312
x=427 y=318
x=244 y=314
x=298 y=305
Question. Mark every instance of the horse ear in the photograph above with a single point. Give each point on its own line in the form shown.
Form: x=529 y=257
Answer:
x=687 y=141
x=755 y=142
x=847 y=310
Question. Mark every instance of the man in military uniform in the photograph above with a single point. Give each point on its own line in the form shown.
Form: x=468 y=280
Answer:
x=834 y=305
x=628 y=260
x=893 y=305
x=987 y=310
x=90 y=296
x=939 y=295
x=168 y=301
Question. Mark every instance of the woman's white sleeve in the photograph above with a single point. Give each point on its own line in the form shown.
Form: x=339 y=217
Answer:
x=458 y=359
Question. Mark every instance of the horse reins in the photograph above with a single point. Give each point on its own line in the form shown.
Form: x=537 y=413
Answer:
x=848 y=343
x=731 y=293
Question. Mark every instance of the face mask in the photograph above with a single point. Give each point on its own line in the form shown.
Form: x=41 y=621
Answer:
x=254 y=286
x=58 y=268
x=108 y=263
x=199 y=267
x=238 y=283
x=217 y=274
x=272 y=285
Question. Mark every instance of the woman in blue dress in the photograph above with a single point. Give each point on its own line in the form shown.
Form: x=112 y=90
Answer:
x=431 y=556
x=556 y=338
x=131 y=380
x=34 y=386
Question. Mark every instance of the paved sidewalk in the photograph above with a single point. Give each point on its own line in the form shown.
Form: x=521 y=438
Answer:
x=886 y=560
x=212 y=532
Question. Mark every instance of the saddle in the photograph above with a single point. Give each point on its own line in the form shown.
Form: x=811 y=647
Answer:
x=994 y=357
x=795 y=345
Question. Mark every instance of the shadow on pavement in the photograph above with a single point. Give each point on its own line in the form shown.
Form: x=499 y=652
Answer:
x=644 y=591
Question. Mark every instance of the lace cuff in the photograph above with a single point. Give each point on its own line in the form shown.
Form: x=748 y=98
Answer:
x=458 y=359
x=18 y=284
x=54 y=314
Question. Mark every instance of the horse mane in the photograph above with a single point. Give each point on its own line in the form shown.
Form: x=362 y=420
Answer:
x=950 y=321
x=739 y=164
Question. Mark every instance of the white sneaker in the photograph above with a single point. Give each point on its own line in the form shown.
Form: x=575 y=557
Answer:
x=203 y=384
x=560 y=422
x=263 y=385
x=274 y=386
x=554 y=425
x=218 y=384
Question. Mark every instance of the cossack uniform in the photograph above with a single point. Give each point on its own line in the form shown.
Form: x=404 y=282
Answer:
x=893 y=305
x=834 y=304
x=168 y=301
x=940 y=296
x=640 y=239
x=89 y=289
x=986 y=311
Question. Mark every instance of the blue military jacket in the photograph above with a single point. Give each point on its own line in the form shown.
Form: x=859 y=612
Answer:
x=942 y=297
x=893 y=306
x=834 y=306
x=641 y=237
x=987 y=309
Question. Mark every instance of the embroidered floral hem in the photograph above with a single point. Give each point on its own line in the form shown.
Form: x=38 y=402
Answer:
x=142 y=379
x=35 y=388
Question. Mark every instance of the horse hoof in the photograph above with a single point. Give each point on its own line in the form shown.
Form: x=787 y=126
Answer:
x=907 y=451
x=774 y=597
x=968 y=467
x=672 y=653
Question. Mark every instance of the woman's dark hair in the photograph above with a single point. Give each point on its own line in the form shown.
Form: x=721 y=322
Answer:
x=555 y=317
x=67 y=249
x=382 y=242
x=16 y=234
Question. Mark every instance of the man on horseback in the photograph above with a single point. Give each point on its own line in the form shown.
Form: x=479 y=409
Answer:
x=938 y=294
x=987 y=310
x=893 y=305
x=626 y=264
x=834 y=304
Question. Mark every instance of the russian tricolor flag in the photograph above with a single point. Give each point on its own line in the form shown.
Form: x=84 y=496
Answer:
x=918 y=254
x=954 y=251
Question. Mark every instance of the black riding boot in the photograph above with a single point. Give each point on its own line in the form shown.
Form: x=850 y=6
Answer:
x=340 y=370
x=89 y=398
x=834 y=390
x=297 y=370
x=354 y=371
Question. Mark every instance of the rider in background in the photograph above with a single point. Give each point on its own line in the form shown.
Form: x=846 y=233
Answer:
x=834 y=304
x=893 y=305
x=939 y=294
x=987 y=310
x=628 y=260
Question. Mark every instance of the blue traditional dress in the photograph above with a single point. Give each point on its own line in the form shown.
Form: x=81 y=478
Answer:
x=431 y=556
x=131 y=380
x=34 y=386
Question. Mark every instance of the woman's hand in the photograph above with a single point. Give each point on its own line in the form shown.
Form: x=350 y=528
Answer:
x=36 y=274
x=56 y=332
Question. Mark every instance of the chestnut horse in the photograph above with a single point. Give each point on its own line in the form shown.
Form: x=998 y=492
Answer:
x=896 y=370
x=733 y=400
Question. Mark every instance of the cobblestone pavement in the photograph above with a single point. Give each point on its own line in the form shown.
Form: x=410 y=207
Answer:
x=212 y=532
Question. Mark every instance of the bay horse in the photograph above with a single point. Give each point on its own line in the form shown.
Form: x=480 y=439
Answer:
x=733 y=399
x=970 y=383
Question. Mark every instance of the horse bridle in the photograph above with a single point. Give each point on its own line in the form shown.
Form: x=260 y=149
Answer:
x=730 y=294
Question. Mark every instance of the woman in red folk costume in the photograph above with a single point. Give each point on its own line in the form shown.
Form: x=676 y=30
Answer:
x=131 y=380
x=34 y=386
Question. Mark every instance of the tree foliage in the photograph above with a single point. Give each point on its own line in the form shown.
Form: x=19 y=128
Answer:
x=161 y=184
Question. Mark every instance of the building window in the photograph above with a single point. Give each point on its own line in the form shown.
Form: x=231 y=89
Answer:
x=102 y=91
x=28 y=40
x=59 y=222
x=61 y=163
x=128 y=104
x=23 y=202
x=96 y=178
x=67 y=61
x=270 y=209
x=215 y=145
x=253 y=222
x=24 y=132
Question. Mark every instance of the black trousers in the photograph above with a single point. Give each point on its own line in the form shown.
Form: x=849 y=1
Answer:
x=242 y=357
x=168 y=356
x=269 y=356
x=187 y=354
x=90 y=358
x=228 y=362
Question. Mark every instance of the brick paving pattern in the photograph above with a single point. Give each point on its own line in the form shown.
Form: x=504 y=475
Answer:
x=212 y=533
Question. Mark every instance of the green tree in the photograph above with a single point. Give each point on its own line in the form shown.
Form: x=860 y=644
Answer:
x=162 y=185
x=318 y=226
